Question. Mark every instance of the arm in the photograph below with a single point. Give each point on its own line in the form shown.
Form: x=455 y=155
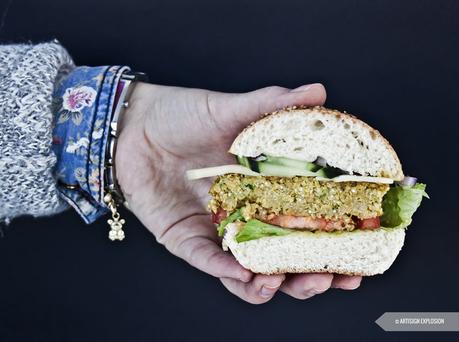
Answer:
x=165 y=131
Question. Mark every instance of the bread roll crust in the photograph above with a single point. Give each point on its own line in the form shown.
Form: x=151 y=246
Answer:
x=305 y=133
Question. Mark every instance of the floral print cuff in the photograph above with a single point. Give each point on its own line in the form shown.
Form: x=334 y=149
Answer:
x=83 y=105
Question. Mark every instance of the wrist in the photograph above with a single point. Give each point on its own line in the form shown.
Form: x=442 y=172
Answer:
x=134 y=114
x=133 y=148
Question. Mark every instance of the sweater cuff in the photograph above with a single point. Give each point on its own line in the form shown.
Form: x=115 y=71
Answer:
x=27 y=77
x=84 y=103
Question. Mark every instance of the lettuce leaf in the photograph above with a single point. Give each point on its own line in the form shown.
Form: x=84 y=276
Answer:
x=255 y=229
x=400 y=203
x=230 y=219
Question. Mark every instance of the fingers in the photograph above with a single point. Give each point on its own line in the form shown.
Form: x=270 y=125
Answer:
x=304 y=286
x=235 y=111
x=272 y=98
x=194 y=240
x=258 y=291
x=307 y=95
x=346 y=282
x=206 y=255
x=300 y=286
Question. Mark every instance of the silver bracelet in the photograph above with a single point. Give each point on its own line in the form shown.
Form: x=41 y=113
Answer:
x=113 y=196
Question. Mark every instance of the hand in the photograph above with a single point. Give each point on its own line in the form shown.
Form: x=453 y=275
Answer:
x=168 y=130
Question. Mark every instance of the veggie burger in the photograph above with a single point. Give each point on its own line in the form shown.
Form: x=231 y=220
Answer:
x=314 y=190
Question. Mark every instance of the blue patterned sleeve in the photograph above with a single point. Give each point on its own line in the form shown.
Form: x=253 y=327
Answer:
x=83 y=106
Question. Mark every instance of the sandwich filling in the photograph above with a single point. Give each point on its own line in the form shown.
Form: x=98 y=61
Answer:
x=299 y=202
x=276 y=205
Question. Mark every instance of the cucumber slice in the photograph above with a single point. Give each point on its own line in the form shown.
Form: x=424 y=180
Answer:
x=321 y=173
x=248 y=162
x=243 y=161
x=293 y=163
x=286 y=167
x=267 y=169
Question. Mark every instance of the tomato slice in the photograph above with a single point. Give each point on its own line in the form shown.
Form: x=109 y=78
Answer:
x=370 y=223
x=320 y=224
x=219 y=216
x=305 y=222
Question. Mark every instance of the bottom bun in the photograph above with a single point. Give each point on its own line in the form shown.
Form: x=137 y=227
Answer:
x=360 y=252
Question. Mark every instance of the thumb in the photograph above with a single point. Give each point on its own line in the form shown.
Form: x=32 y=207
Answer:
x=247 y=107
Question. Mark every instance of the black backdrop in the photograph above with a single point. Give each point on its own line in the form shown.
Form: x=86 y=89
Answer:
x=395 y=63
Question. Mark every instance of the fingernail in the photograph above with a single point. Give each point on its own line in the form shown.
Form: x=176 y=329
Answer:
x=304 y=88
x=308 y=294
x=351 y=287
x=312 y=292
x=268 y=291
x=318 y=291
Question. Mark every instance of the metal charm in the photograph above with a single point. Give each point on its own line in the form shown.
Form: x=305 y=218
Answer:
x=116 y=224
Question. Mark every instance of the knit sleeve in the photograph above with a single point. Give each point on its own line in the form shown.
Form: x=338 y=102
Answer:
x=28 y=74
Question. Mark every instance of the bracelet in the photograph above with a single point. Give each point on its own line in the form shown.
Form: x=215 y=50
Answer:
x=113 y=196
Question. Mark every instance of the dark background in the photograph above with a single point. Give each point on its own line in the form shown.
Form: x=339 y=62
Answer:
x=394 y=63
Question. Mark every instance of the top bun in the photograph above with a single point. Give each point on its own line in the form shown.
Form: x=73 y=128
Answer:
x=305 y=133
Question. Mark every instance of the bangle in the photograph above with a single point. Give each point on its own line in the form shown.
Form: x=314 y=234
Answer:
x=113 y=196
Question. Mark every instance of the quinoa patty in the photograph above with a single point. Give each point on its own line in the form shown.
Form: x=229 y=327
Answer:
x=297 y=196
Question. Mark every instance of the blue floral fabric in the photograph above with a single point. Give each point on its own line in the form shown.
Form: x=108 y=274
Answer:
x=83 y=105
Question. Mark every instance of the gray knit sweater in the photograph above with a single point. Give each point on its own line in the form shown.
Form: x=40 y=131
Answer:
x=27 y=77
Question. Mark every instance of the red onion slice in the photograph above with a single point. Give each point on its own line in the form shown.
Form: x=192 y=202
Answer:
x=321 y=162
x=260 y=158
x=408 y=181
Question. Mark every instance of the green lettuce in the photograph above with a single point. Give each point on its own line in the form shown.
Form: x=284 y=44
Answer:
x=400 y=203
x=230 y=219
x=255 y=229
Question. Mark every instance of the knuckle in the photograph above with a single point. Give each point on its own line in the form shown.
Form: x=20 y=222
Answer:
x=275 y=89
x=210 y=103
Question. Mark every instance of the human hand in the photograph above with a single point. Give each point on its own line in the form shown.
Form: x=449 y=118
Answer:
x=168 y=130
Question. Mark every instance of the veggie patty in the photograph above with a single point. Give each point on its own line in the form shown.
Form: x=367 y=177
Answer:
x=261 y=197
